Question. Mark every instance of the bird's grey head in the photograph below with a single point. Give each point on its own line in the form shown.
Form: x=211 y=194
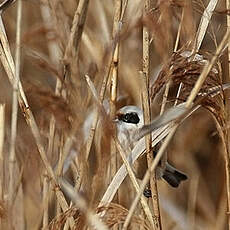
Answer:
x=131 y=116
x=129 y=119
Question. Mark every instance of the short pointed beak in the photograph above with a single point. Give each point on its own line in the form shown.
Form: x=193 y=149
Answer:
x=115 y=120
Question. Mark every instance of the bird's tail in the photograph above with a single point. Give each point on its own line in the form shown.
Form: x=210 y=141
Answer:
x=173 y=176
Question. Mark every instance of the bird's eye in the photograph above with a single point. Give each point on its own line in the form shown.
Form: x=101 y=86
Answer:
x=130 y=118
x=126 y=117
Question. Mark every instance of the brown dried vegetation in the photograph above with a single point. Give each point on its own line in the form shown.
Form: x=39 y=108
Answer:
x=64 y=138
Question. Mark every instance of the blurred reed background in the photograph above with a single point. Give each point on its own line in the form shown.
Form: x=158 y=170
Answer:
x=53 y=45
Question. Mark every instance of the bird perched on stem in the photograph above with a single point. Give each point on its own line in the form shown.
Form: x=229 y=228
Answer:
x=130 y=122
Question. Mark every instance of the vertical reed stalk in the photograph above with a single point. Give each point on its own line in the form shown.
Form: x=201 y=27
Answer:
x=45 y=202
x=76 y=30
x=147 y=119
x=12 y=159
x=179 y=31
x=8 y=64
x=114 y=163
x=13 y=164
x=2 y=135
x=54 y=53
x=227 y=150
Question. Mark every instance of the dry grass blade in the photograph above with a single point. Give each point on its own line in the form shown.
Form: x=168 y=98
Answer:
x=113 y=84
x=54 y=52
x=228 y=114
x=8 y=64
x=4 y=5
x=45 y=202
x=2 y=157
x=6 y=60
x=14 y=118
x=2 y=134
x=206 y=17
x=154 y=164
x=179 y=31
x=135 y=184
x=92 y=88
x=147 y=118
x=139 y=149
x=92 y=218
x=76 y=30
x=206 y=70
x=15 y=186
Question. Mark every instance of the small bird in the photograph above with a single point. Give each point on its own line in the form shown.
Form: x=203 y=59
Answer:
x=129 y=121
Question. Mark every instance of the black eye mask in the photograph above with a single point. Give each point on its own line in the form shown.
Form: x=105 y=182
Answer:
x=129 y=118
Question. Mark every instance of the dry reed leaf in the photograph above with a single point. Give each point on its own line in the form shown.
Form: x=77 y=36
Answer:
x=4 y=5
x=205 y=20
